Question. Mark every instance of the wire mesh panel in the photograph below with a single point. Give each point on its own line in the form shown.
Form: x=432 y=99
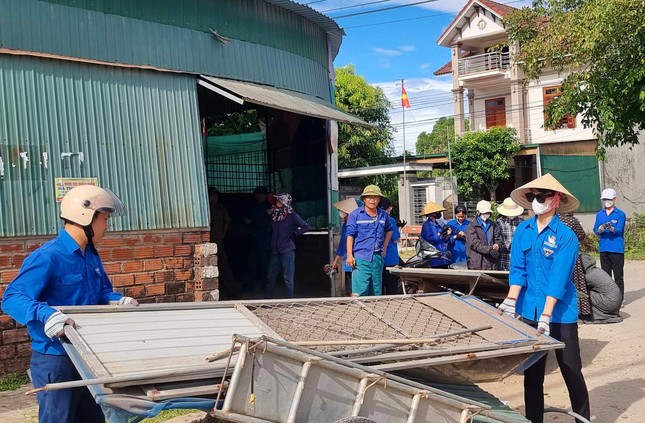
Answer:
x=237 y=172
x=420 y=198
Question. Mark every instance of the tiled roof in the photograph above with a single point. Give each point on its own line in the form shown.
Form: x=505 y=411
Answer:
x=447 y=68
x=499 y=9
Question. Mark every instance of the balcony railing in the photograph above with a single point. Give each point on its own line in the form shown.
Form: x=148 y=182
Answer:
x=487 y=62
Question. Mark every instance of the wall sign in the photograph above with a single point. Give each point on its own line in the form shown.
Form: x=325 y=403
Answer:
x=63 y=185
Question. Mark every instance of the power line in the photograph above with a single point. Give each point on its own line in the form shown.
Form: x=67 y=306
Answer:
x=383 y=9
x=354 y=6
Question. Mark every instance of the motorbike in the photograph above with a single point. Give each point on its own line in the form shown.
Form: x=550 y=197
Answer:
x=424 y=252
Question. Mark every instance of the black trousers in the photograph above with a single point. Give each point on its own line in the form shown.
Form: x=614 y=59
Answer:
x=571 y=368
x=391 y=283
x=613 y=264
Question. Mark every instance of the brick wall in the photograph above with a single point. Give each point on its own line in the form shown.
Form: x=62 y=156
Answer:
x=150 y=266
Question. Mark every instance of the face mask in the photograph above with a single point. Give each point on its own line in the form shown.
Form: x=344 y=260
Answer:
x=540 y=208
x=484 y=217
x=608 y=203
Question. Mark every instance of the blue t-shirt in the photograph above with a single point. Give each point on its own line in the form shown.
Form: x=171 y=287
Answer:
x=542 y=264
x=56 y=274
x=368 y=232
x=611 y=242
x=392 y=252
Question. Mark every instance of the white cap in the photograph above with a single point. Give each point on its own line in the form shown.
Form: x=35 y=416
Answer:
x=484 y=207
x=608 y=194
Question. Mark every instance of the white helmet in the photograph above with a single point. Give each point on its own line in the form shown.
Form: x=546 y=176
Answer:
x=81 y=203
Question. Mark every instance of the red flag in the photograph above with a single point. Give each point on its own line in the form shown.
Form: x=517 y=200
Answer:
x=404 y=98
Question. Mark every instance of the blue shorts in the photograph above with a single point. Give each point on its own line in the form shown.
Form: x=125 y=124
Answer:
x=367 y=276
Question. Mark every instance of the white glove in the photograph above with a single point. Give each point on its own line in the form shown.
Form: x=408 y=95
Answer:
x=507 y=307
x=128 y=300
x=54 y=325
x=544 y=326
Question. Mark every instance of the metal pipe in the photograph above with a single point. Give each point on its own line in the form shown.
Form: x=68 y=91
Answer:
x=465 y=414
x=359 y=398
x=414 y=408
x=291 y=418
x=235 y=378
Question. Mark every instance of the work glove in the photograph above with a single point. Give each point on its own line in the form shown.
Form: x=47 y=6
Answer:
x=544 y=325
x=507 y=307
x=128 y=300
x=54 y=326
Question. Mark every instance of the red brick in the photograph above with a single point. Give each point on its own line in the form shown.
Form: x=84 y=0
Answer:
x=6 y=322
x=112 y=267
x=172 y=239
x=14 y=336
x=175 y=287
x=7 y=351
x=119 y=254
x=164 y=251
x=18 y=259
x=192 y=238
x=144 y=252
x=190 y=286
x=164 y=276
x=174 y=263
x=12 y=248
x=131 y=240
x=152 y=239
x=183 y=250
x=17 y=365
x=184 y=298
x=23 y=350
x=123 y=280
x=132 y=266
x=143 y=278
x=206 y=237
x=165 y=299
x=7 y=276
x=5 y=261
x=32 y=246
x=146 y=300
x=183 y=275
x=135 y=291
x=156 y=289
x=154 y=264
x=111 y=242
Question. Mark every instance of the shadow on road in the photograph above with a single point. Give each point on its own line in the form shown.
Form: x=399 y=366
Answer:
x=631 y=296
x=613 y=406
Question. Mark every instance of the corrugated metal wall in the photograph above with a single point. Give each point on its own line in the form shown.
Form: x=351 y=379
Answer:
x=579 y=174
x=138 y=132
x=268 y=44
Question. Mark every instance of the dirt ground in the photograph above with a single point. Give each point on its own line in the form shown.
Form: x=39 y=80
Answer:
x=613 y=358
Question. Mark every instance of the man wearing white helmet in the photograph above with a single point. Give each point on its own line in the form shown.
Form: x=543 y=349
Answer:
x=64 y=271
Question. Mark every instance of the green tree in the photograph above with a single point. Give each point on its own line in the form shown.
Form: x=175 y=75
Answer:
x=480 y=160
x=437 y=140
x=361 y=147
x=602 y=44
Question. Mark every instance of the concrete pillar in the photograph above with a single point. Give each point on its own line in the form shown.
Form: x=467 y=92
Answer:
x=471 y=109
x=406 y=197
x=457 y=90
x=206 y=272
x=517 y=107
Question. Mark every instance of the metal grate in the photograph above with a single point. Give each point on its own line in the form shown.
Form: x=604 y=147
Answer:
x=383 y=318
x=419 y=201
x=237 y=172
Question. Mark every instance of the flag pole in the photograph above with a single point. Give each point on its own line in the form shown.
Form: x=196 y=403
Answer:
x=404 y=167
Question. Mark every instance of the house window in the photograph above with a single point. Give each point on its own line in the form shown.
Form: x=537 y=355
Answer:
x=495 y=112
x=548 y=95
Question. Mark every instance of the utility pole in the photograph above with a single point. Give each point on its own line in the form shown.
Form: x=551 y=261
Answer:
x=404 y=167
x=452 y=185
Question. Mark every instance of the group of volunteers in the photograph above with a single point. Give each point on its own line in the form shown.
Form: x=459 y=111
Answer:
x=541 y=254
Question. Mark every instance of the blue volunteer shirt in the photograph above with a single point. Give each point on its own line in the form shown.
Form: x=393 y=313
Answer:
x=431 y=232
x=542 y=264
x=56 y=274
x=368 y=232
x=342 y=247
x=611 y=242
x=392 y=252
x=457 y=245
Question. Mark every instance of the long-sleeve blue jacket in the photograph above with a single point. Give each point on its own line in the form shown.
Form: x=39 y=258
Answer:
x=542 y=264
x=56 y=274
x=283 y=232
x=456 y=244
x=611 y=242
x=431 y=232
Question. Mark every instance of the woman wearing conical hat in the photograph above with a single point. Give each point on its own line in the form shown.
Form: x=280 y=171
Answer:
x=431 y=231
x=542 y=291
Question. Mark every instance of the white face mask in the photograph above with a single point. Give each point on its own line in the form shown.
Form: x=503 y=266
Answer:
x=540 y=208
x=608 y=203
x=484 y=217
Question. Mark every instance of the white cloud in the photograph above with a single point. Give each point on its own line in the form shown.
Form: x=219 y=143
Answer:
x=407 y=48
x=424 y=66
x=430 y=99
x=386 y=52
x=439 y=5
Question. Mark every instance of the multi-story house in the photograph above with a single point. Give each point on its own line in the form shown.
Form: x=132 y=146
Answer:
x=490 y=90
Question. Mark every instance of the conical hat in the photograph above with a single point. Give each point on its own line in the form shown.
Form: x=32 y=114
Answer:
x=348 y=205
x=431 y=207
x=568 y=202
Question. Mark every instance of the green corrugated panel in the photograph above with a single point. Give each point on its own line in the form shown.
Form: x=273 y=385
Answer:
x=268 y=44
x=138 y=131
x=579 y=174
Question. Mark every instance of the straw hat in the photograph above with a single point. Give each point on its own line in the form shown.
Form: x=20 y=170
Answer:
x=509 y=208
x=431 y=208
x=371 y=190
x=568 y=202
x=348 y=205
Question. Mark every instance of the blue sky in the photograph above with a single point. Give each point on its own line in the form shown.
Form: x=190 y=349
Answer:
x=385 y=53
